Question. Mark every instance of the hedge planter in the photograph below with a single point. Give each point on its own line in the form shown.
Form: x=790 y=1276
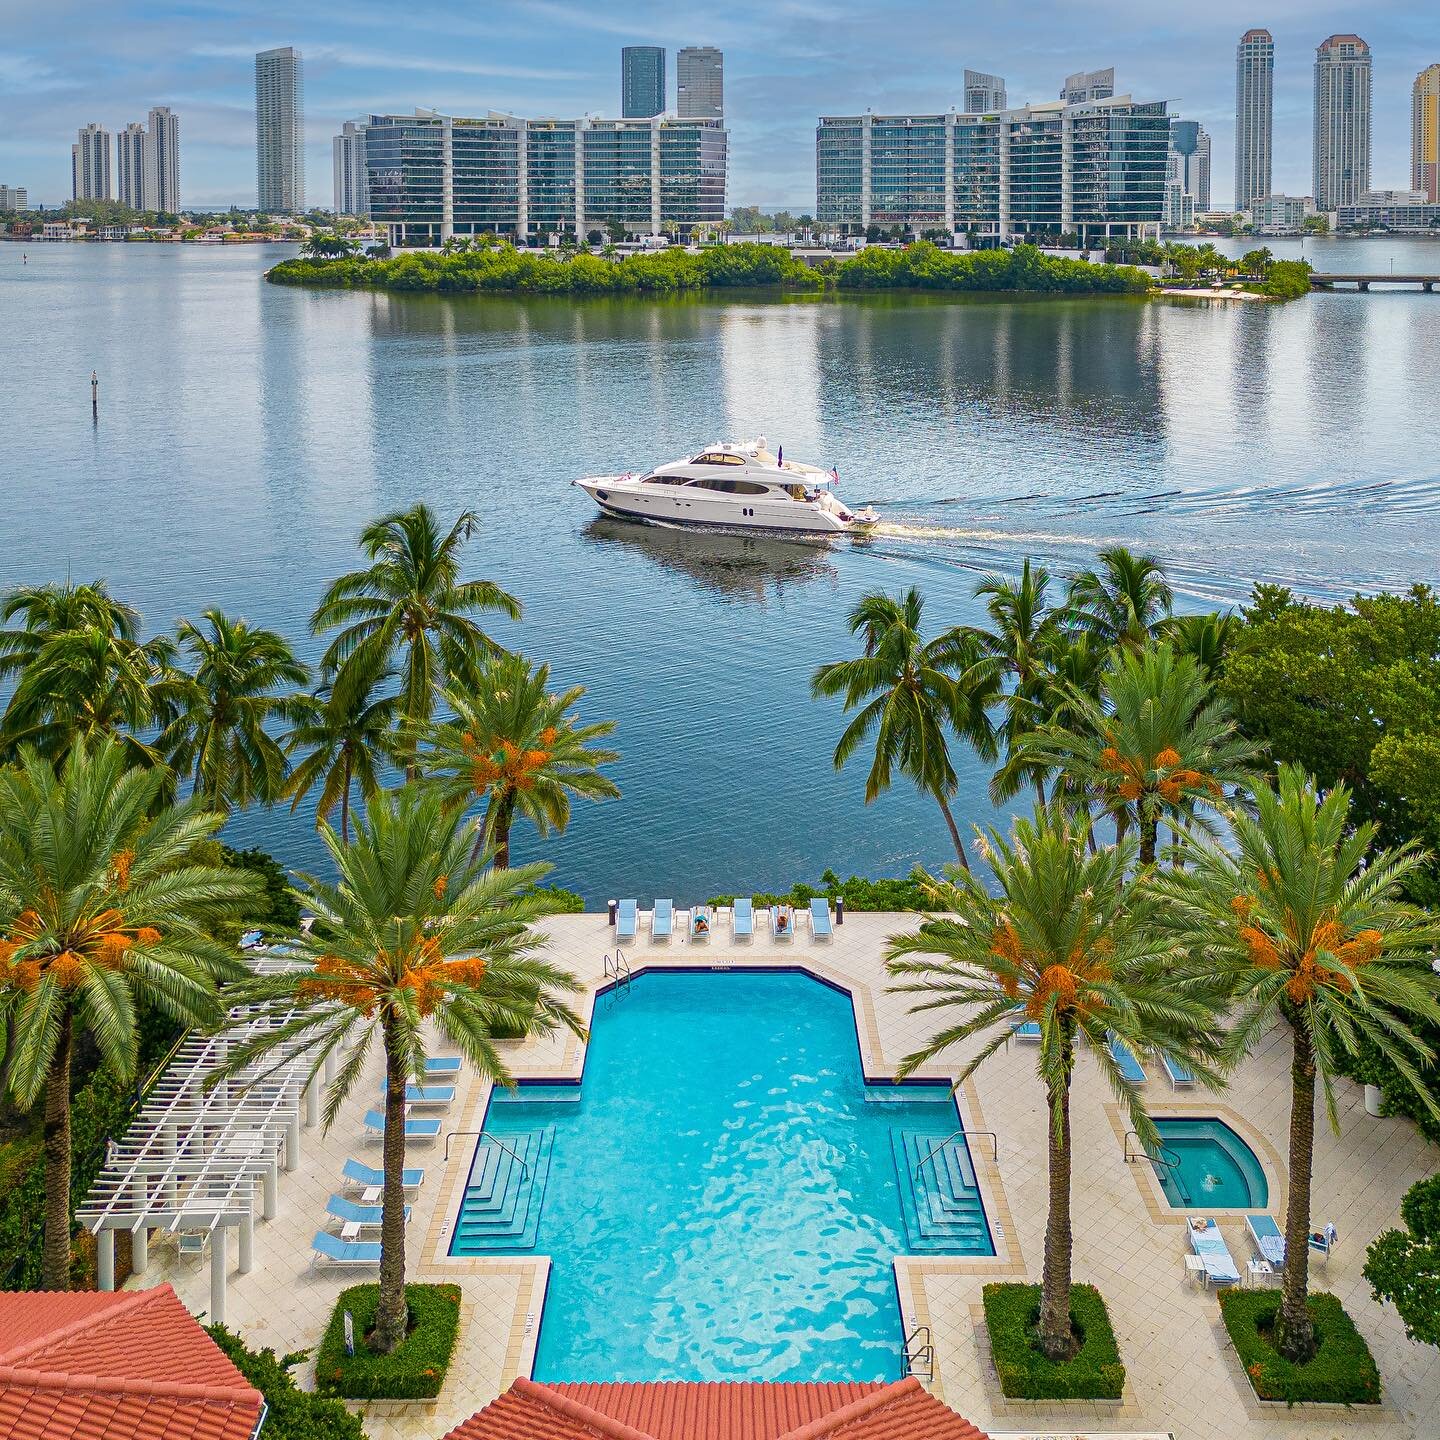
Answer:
x=1093 y=1373
x=414 y=1370
x=1342 y=1373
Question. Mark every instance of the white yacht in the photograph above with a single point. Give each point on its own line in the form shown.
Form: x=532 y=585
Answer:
x=732 y=486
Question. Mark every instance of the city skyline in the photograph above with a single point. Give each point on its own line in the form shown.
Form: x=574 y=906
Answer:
x=783 y=69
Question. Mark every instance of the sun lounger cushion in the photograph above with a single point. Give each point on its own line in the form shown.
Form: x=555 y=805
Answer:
x=820 y=919
x=426 y=1094
x=442 y=1065
x=1209 y=1245
x=414 y=1129
x=625 y=919
x=660 y=921
x=367 y=1175
x=1125 y=1060
x=1177 y=1072
x=335 y=1251
x=1027 y=1030
x=1269 y=1240
x=742 y=916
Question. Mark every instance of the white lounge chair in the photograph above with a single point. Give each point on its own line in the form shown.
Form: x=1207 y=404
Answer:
x=782 y=922
x=366 y=1177
x=1267 y=1238
x=700 y=923
x=1207 y=1242
x=625 y=914
x=414 y=1129
x=662 y=919
x=742 y=918
x=820 y=927
x=353 y=1254
x=1180 y=1077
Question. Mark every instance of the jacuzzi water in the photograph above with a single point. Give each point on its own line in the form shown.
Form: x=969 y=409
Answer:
x=723 y=1199
x=1216 y=1169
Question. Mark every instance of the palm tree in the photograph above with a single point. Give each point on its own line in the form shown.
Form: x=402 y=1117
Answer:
x=1063 y=943
x=1122 y=602
x=1208 y=637
x=1299 y=918
x=410 y=607
x=50 y=610
x=416 y=932
x=103 y=906
x=909 y=692
x=1157 y=743
x=517 y=747
x=218 y=736
x=348 y=730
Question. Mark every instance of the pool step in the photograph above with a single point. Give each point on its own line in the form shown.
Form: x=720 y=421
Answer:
x=941 y=1204
x=501 y=1208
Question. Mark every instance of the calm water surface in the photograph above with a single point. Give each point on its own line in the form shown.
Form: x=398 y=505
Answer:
x=248 y=431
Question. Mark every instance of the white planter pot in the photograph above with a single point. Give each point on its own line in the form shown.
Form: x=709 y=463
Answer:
x=1372 y=1100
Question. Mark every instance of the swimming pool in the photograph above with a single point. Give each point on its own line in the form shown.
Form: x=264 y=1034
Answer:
x=1212 y=1167
x=723 y=1195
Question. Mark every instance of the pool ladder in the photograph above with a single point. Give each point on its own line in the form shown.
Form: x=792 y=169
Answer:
x=1162 y=1158
x=618 y=969
x=939 y=1145
x=918 y=1353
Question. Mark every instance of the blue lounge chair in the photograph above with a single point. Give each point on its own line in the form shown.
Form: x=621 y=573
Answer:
x=700 y=925
x=1267 y=1238
x=820 y=928
x=426 y=1096
x=1208 y=1243
x=1128 y=1065
x=332 y=1250
x=625 y=914
x=437 y=1066
x=1180 y=1077
x=367 y=1217
x=782 y=922
x=662 y=919
x=742 y=918
x=250 y=939
x=367 y=1177
x=414 y=1129
x=1026 y=1030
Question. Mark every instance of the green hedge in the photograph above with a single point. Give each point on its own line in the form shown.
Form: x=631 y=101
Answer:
x=291 y=1413
x=859 y=893
x=1094 y=1373
x=414 y=1370
x=1403 y=1266
x=1343 y=1371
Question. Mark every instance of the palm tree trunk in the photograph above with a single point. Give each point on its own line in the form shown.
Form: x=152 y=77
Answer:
x=953 y=827
x=1295 y=1333
x=55 y=1252
x=392 y=1317
x=345 y=804
x=1056 y=1335
x=1149 y=835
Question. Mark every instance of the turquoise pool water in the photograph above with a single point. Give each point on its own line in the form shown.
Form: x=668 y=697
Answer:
x=1216 y=1169
x=723 y=1195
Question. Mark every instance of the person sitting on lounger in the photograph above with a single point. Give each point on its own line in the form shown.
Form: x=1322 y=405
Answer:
x=702 y=925
x=782 y=921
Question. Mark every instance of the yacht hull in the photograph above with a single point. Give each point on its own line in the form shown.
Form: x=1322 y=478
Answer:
x=684 y=508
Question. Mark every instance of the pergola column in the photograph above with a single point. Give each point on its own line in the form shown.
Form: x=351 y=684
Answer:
x=247 y=1242
x=312 y=1105
x=292 y=1142
x=217 y=1275
x=270 y=1190
x=139 y=1248
x=105 y=1258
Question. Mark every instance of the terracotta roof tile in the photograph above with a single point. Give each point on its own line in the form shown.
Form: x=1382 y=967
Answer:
x=127 y=1366
x=742 y=1411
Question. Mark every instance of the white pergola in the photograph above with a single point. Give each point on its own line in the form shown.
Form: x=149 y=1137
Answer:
x=193 y=1158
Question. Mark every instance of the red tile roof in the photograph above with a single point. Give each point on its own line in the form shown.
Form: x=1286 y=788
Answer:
x=898 y=1411
x=128 y=1366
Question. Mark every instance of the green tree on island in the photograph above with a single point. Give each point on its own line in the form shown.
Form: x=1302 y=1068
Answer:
x=1299 y=922
x=103 y=907
x=910 y=693
x=416 y=932
x=1062 y=942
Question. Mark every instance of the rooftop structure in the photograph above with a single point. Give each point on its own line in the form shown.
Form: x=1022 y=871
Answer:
x=1087 y=85
x=984 y=94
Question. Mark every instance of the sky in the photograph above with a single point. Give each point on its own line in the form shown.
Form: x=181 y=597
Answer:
x=64 y=64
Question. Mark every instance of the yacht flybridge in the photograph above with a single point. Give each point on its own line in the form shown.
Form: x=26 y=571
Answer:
x=732 y=486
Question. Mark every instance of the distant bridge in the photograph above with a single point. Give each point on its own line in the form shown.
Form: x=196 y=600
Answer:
x=1364 y=282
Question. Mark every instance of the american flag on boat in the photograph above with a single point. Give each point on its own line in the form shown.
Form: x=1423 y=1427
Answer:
x=834 y=474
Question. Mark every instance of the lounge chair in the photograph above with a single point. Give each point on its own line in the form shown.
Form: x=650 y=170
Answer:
x=662 y=919
x=437 y=1066
x=1267 y=1238
x=625 y=914
x=1180 y=1077
x=1322 y=1242
x=250 y=939
x=700 y=923
x=367 y=1177
x=782 y=922
x=820 y=927
x=361 y=1217
x=427 y=1097
x=1207 y=1242
x=1124 y=1057
x=414 y=1129
x=1026 y=1030
x=332 y=1250
x=742 y=918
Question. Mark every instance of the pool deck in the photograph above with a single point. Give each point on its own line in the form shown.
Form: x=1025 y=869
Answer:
x=1182 y=1375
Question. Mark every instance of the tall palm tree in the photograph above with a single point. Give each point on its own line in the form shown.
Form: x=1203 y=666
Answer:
x=410 y=607
x=1299 y=918
x=517 y=747
x=50 y=610
x=1061 y=942
x=1158 y=743
x=347 y=731
x=241 y=682
x=415 y=932
x=102 y=906
x=1123 y=601
x=909 y=693
x=1208 y=638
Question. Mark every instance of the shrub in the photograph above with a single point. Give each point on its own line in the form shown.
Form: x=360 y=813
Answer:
x=1287 y=279
x=291 y=1413
x=1093 y=1373
x=887 y=893
x=1343 y=1371
x=414 y=1370
x=1403 y=1266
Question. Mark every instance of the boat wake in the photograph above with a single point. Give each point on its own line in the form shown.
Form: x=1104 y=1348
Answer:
x=895 y=531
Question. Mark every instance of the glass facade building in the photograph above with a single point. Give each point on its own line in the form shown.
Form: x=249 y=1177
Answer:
x=642 y=81
x=1094 y=170
x=431 y=177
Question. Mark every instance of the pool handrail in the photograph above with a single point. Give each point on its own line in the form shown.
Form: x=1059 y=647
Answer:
x=494 y=1138
x=618 y=969
x=917 y=1355
x=1165 y=1156
x=956 y=1135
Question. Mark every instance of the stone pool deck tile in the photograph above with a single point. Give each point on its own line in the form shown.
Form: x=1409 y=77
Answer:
x=1182 y=1374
